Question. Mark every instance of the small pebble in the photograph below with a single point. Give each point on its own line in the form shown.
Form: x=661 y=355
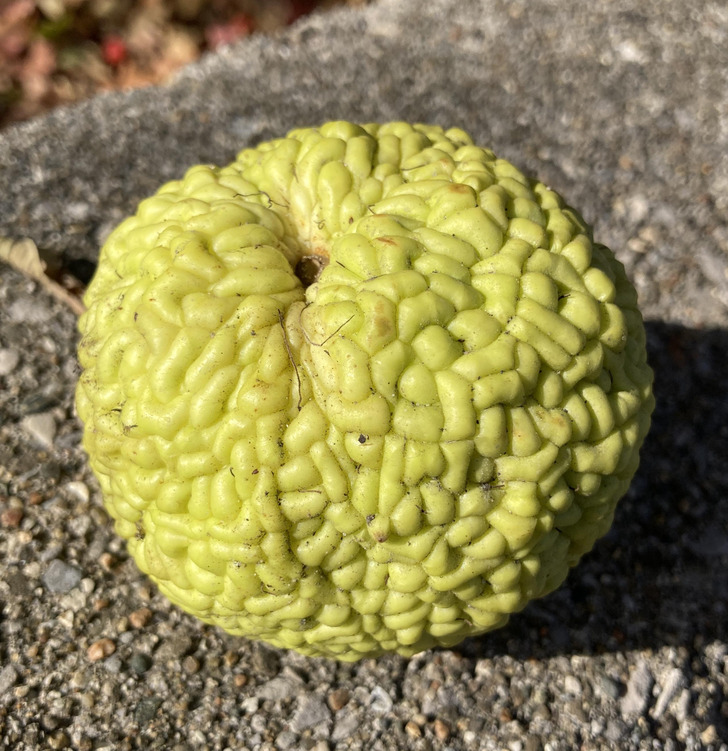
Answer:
x=230 y=658
x=8 y=678
x=281 y=687
x=78 y=679
x=113 y=664
x=442 y=730
x=9 y=359
x=87 y=700
x=608 y=686
x=41 y=427
x=59 y=740
x=139 y=618
x=139 y=663
x=709 y=735
x=191 y=664
x=100 y=649
x=380 y=702
x=347 y=723
x=285 y=740
x=338 y=699
x=682 y=705
x=673 y=683
x=639 y=690
x=615 y=731
x=146 y=709
x=413 y=729
x=311 y=713
x=60 y=577
x=572 y=685
x=10 y=518
x=35 y=498
x=78 y=490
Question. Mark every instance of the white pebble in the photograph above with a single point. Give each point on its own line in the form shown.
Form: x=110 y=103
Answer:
x=639 y=689
x=380 y=701
x=9 y=359
x=572 y=685
x=78 y=490
x=673 y=682
x=41 y=428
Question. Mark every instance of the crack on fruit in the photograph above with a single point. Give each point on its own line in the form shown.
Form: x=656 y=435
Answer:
x=309 y=268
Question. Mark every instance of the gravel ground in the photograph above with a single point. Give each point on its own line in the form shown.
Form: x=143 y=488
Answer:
x=620 y=106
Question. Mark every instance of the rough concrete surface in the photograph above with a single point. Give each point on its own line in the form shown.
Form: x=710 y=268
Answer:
x=622 y=107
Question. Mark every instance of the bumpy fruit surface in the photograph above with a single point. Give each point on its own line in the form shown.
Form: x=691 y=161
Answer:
x=365 y=389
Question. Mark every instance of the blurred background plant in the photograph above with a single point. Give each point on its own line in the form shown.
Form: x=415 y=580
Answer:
x=54 y=52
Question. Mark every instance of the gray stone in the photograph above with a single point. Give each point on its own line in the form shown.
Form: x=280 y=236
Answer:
x=139 y=663
x=41 y=427
x=311 y=712
x=9 y=359
x=285 y=740
x=380 y=702
x=639 y=690
x=347 y=722
x=8 y=678
x=682 y=706
x=607 y=686
x=282 y=687
x=174 y=648
x=61 y=577
x=146 y=710
x=113 y=664
x=615 y=730
x=673 y=682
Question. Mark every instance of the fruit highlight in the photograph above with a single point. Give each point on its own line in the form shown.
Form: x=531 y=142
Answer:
x=367 y=389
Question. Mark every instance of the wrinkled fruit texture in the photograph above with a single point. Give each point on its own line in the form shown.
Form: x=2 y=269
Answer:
x=401 y=453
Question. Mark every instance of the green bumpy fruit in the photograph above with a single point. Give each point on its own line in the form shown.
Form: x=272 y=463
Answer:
x=366 y=389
